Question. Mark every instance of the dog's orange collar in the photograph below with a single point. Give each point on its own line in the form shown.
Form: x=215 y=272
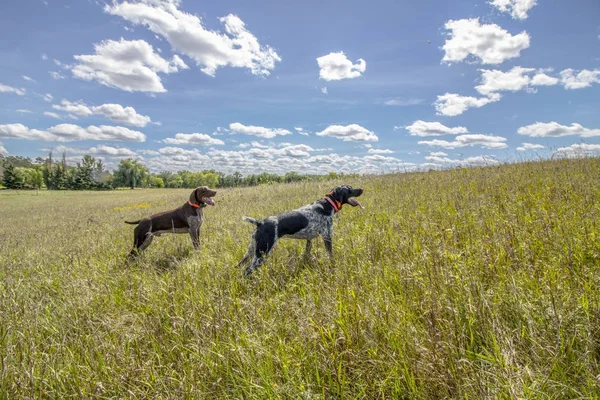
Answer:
x=194 y=204
x=334 y=203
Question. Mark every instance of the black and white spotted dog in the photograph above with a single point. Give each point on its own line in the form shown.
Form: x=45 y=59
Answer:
x=307 y=222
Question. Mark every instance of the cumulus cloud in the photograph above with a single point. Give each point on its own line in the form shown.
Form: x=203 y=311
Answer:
x=541 y=79
x=380 y=151
x=324 y=90
x=572 y=79
x=579 y=150
x=489 y=43
x=70 y=132
x=347 y=133
x=437 y=154
x=518 y=9
x=111 y=151
x=3 y=150
x=530 y=146
x=267 y=133
x=114 y=112
x=422 y=128
x=554 y=129
x=514 y=80
x=336 y=66
x=194 y=139
x=452 y=104
x=485 y=141
x=186 y=34
x=130 y=65
x=10 y=89
x=469 y=161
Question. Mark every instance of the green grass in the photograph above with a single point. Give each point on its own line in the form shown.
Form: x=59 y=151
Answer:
x=471 y=284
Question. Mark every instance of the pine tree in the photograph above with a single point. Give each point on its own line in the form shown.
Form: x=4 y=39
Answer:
x=11 y=179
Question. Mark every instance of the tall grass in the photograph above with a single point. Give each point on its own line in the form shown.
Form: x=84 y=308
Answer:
x=470 y=283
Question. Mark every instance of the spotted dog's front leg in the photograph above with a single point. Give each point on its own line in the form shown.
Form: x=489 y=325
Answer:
x=327 y=235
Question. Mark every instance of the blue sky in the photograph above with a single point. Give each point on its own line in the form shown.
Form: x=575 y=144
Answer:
x=372 y=87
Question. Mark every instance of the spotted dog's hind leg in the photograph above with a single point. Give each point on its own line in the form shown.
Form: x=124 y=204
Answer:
x=249 y=252
x=265 y=239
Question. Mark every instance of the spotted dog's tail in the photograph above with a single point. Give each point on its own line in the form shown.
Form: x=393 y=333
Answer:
x=252 y=221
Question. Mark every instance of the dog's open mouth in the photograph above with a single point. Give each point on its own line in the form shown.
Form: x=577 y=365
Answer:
x=353 y=202
x=208 y=201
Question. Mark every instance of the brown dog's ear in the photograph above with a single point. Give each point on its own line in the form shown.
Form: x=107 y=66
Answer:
x=194 y=197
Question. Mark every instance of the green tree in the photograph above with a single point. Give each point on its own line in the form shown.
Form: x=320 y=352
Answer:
x=130 y=173
x=11 y=178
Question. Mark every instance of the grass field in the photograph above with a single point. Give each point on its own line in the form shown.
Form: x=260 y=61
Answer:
x=472 y=284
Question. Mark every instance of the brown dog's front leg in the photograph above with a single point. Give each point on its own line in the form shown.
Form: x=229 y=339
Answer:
x=195 y=235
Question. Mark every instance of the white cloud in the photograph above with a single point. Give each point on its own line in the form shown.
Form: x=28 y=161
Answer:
x=489 y=43
x=572 y=79
x=336 y=66
x=485 y=141
x=518 y=78
x=422 y=128
x=10 y=89
x=27 y=78
x=111 y=151
x=516 y=8
x=78 y=108
x=44 y=56
x=579 y=150
x=495 y=81
x=470 y=161
x=541 y=79
x=351 y=132
x=23 y=111
x=324 y=90
x=380 y=151
x=70 y=132
x=452 y=104
x=403 y=102
x=48 y=97
x=210 y=49
x=302 y=131
x=530 y=146
x=114 y=112
x=437 y=154
x=260 y=131
x=194 y=139
x=51 y=114
x=20 y=131
x=56 y=75
x=554 y=129
x=126 y=65
x=3 y=150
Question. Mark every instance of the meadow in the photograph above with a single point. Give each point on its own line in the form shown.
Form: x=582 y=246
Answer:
x=476 y=283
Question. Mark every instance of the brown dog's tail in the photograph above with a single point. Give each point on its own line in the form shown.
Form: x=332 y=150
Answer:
x=133 y=222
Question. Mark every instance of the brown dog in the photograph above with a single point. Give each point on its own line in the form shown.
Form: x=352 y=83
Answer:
x=185 y=219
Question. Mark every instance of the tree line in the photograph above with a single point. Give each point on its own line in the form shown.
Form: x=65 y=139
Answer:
x=19 y=172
